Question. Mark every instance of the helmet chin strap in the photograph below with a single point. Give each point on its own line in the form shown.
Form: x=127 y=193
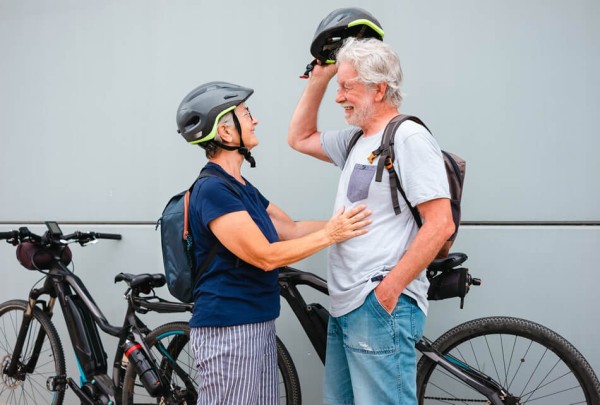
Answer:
x=241 y=149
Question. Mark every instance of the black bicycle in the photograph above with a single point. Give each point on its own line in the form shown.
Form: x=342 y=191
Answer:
x=496 y=360
x=32 y=359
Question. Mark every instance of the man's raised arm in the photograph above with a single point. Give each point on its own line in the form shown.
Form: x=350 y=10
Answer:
x=303 y=134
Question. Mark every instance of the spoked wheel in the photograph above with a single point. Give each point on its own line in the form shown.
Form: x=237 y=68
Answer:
x=170 y=344
x=29 y=385
x=289 y=383
x=534 y=364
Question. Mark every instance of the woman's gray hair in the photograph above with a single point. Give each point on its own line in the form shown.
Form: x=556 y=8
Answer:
x=226 y=119
x=375 y=62
x=211 y=148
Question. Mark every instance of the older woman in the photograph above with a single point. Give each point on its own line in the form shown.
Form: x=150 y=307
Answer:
x=237 y=298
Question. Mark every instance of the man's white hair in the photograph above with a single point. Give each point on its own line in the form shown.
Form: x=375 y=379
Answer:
x=375 y=62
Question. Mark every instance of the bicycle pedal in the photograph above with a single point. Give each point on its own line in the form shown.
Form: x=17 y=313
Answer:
x=57 y=383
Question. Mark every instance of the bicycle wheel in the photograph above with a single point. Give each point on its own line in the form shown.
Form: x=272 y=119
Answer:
x=534 y=365
x=289 y=383
x=30 y=386
x=169 y=345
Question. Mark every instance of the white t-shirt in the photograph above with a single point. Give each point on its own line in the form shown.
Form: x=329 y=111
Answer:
x=354 y=263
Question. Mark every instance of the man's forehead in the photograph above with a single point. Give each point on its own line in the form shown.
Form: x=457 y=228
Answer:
x=346 y=68
x=346 y=72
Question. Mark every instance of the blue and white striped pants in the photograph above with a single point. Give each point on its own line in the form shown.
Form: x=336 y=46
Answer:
x=237 y=365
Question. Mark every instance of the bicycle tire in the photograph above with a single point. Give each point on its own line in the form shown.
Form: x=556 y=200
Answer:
x=532 y=362
x=289 y=383
x=175 y=338
x=51 y=362
x=170 y=340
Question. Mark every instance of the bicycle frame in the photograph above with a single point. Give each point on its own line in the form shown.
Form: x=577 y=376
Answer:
x=309 y=316
x=83 y=317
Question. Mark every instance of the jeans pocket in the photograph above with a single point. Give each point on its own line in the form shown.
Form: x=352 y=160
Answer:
x=377 y=307
x=360 y=181
x=370 y=329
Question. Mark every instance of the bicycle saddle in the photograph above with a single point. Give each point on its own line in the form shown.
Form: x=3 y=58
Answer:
x=453 y=260
x=143 y=281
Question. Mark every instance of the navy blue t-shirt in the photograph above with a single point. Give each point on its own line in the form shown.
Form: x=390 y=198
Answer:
x=231 y=291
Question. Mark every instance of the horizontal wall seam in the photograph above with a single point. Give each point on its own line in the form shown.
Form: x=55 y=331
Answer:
x=463 y=223
x=530 y=223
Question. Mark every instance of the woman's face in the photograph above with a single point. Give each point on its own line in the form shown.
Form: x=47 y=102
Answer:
x=248 y=123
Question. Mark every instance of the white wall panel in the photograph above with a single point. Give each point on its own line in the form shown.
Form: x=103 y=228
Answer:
x=89 y=90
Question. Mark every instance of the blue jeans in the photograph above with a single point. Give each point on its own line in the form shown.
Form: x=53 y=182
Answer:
x=371 y=356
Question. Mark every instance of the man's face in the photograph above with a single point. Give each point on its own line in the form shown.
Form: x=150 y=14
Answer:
x=354 y=96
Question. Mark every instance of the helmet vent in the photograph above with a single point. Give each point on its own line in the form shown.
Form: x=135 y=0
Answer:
x=228 y=96
x=195 y=120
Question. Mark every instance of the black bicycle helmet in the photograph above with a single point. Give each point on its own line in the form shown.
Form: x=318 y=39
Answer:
x=339 y=25
x=200 y=111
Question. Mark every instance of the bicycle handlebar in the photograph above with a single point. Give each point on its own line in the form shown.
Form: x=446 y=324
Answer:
x=114 y=236
x=9 y=235
x=24 y=234
x=84 y=237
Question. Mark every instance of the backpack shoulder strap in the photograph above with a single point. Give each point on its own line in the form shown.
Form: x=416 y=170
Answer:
x=210 y=172
x=205 y=172
x=389 y=140
x=386 y=149
x=387 y=156
x=353 y=141
x=386 y=152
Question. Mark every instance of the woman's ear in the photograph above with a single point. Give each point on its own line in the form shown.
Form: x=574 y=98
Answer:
x=225 y=132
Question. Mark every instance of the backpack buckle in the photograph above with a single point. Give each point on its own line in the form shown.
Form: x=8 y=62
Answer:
x=388 y=163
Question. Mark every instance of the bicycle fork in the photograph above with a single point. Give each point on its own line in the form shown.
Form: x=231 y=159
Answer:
x=16 y=368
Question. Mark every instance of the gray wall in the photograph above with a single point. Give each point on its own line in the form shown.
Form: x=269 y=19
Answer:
x=88 y=93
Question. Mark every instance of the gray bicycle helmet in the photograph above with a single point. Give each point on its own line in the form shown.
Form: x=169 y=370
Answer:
x=339 y=25
x=201 y=109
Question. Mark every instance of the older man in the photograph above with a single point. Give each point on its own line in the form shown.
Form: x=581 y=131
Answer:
x=377 y=281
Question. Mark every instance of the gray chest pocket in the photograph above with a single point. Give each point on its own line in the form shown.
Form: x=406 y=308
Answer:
x=360 y=180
